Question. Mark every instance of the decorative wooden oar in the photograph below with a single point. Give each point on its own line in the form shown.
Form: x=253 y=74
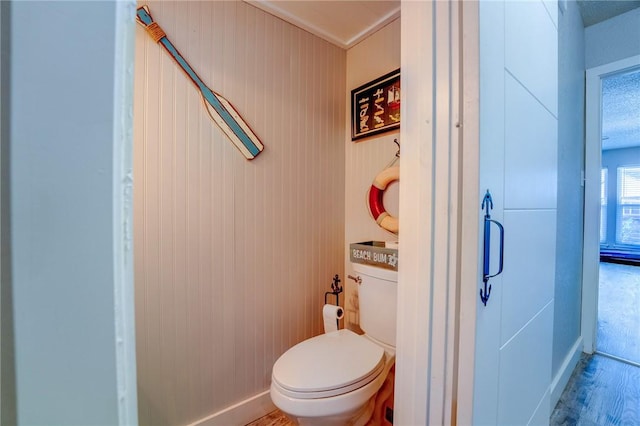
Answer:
x=219 y=109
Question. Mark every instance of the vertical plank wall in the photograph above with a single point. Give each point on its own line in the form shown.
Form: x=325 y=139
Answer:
x=373 y=57
x=232 y=257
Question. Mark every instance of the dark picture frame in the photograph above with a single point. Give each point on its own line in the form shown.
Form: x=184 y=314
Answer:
x=375 y=106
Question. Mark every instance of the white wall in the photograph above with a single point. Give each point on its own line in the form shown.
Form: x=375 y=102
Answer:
x=365 y=158
x=568 y=276
x=232 y=256
x=614 y=39
x=67 y=142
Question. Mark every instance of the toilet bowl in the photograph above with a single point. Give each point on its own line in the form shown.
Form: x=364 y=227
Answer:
x=333 y=378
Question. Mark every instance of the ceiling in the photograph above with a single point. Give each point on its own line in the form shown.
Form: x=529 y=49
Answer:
x=621 y=110
x=346 y=22
x=343 y=23
x=594 y=11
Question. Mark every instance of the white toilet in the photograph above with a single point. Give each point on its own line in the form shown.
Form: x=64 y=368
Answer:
x=333 y=378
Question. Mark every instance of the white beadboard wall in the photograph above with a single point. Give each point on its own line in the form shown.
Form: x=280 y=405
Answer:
x=375 y=56
x=232 y=257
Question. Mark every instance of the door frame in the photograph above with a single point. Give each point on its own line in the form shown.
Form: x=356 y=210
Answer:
x=126 y=368
x=469 y=243
x=433 y=329
x=593 y=163
x=7 y=359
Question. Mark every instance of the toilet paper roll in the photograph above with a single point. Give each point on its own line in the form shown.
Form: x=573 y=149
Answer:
x=330 y=315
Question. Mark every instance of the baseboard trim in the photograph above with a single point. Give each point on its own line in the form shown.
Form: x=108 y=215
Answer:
x=241 y=413
x=562 y=378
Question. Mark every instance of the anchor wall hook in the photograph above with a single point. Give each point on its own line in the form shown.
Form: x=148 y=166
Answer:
x=397 y=143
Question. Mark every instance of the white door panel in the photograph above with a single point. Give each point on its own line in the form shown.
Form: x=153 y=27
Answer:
x=529 y=273
x=518 y=164
x=552 y=10
x=531 y=150
x=531 y=40
x=491 y=112
x=525 y=370
x=542 y=414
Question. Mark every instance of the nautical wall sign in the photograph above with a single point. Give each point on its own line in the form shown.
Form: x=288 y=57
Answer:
x=374 y=253
x=375 y=106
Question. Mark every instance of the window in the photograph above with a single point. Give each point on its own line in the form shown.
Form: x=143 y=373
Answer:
x=628 y=208
x=603 y=205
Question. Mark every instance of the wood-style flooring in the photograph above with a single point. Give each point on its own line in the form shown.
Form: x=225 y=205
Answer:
x=600 y=392
x=275 y=418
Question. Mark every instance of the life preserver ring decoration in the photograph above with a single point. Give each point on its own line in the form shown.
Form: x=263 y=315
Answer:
x=376 y=192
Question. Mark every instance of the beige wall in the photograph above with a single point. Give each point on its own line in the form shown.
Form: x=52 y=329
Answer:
x=368 y=60
x=232 y=258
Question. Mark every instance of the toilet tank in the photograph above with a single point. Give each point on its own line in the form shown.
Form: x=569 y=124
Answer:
x=377 y=295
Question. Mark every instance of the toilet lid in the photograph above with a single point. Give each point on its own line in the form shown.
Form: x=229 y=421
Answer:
x=340 y=359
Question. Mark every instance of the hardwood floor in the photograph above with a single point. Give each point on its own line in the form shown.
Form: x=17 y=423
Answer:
x=275 y=418
x=601 y=392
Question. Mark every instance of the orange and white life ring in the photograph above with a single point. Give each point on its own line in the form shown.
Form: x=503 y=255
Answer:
x=376 y=206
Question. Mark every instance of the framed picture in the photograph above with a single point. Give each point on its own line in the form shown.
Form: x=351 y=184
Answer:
x=375 y=106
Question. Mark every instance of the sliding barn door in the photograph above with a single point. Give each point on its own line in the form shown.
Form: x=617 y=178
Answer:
x=518 y=156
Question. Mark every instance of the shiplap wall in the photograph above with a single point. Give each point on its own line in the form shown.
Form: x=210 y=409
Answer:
x=374 y=57
x=232 y=258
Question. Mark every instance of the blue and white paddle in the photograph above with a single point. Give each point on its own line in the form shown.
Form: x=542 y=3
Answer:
x=219 y=109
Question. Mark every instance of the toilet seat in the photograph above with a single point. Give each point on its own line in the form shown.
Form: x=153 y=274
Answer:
x=317 y=367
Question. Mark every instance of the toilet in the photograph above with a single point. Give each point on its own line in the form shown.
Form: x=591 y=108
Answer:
x=333 y=378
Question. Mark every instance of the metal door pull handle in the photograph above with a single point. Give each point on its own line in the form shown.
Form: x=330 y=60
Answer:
x=487 y=205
